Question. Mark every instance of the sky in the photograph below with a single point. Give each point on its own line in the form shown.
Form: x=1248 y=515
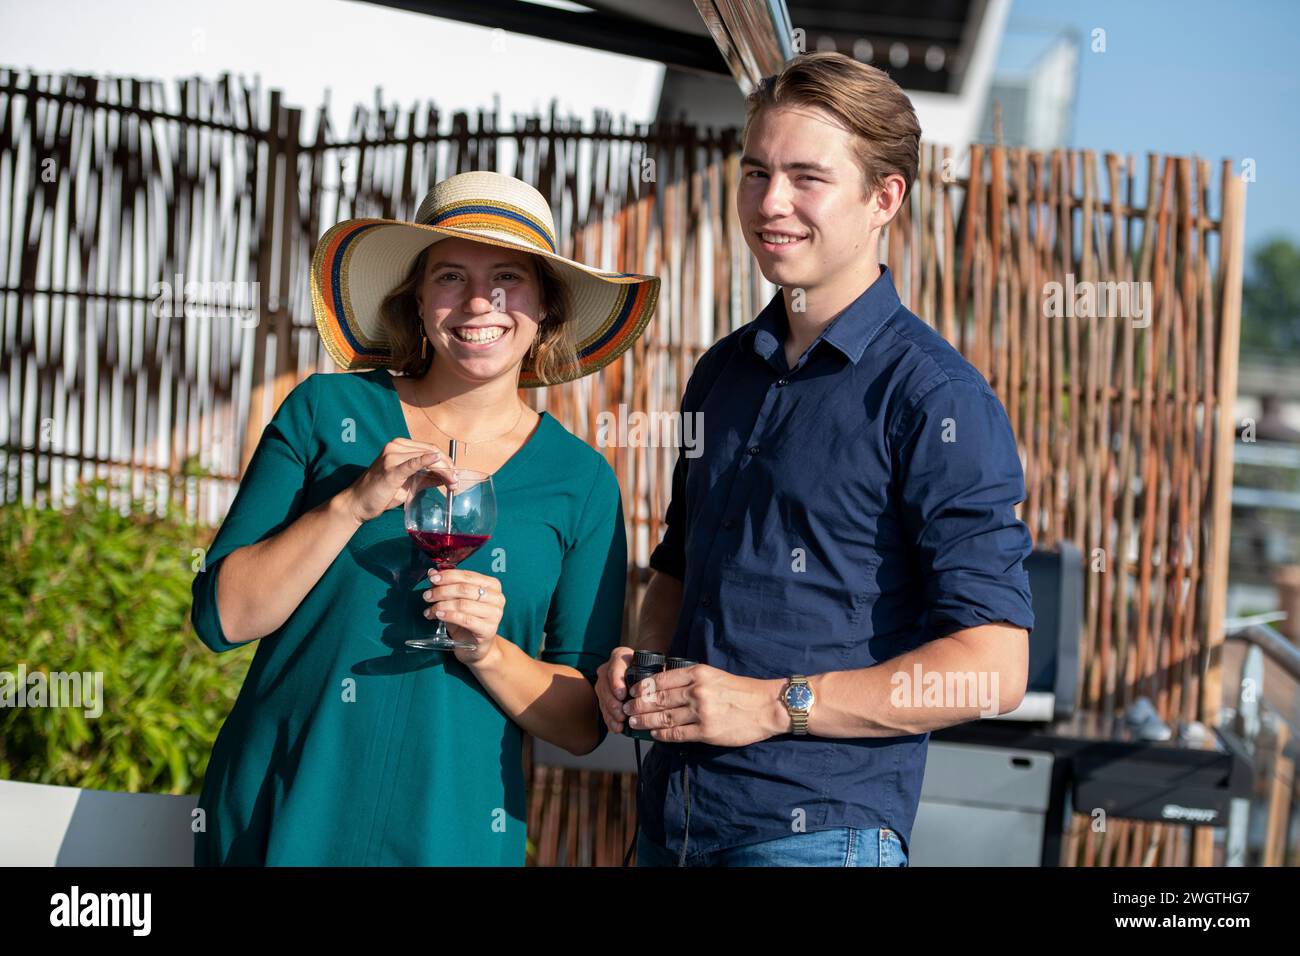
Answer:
x=1188 y=77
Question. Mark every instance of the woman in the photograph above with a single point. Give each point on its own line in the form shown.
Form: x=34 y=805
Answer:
x=345 y=747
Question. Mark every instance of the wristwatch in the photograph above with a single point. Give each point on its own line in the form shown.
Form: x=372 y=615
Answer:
x=798 y=699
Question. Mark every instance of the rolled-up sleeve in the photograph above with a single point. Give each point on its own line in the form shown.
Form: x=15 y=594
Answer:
x=269 y=498
x=959 y=480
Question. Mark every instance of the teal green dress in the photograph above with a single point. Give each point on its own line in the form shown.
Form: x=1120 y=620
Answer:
x=344 y=747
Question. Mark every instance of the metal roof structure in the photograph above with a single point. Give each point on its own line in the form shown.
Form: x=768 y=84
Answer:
x=924 y=44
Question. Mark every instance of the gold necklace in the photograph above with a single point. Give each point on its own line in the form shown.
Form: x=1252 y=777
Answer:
x=481 y=441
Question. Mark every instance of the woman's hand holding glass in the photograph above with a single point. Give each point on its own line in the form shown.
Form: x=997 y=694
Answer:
x=454 y=598
x=387 y=482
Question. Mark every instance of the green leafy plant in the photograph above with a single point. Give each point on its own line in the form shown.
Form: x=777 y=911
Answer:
x=90 y=590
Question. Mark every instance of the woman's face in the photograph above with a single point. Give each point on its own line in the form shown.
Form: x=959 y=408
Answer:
x=479 y=304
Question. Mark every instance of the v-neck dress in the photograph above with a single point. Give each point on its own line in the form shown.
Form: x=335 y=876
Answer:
x=345 y=747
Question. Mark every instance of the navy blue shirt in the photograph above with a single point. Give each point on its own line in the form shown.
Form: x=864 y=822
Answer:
x=839 y=513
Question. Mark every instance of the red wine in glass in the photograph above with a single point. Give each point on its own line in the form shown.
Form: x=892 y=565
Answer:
x=447 y=550
x=449 y=522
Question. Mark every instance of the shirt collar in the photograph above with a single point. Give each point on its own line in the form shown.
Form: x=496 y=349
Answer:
x=850 y=332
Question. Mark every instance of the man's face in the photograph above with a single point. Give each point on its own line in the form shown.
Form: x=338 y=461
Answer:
x=801 y=200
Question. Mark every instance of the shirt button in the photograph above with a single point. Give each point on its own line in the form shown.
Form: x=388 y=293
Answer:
x=782 y=381
x=706 y=601
x=753 y=449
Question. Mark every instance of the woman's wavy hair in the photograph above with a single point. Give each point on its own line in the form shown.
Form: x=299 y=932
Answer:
x=554 y=355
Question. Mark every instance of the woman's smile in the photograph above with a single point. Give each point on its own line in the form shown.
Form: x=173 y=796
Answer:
x=480 y=338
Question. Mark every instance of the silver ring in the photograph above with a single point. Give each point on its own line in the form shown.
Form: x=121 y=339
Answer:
x=480 y=595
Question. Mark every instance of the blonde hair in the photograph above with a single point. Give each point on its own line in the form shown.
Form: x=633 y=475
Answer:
x=869 y=104
x=554 y=354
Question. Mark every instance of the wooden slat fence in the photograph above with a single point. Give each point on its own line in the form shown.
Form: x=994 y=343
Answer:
x=1123 y=413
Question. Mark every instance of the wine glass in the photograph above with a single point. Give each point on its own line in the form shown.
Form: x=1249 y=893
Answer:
x=449 y=521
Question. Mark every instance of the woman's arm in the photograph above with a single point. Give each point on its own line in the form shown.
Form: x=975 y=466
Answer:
x=551 y=701
x=260 y=585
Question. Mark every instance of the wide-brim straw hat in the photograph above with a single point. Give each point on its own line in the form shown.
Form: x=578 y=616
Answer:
x=360 y=261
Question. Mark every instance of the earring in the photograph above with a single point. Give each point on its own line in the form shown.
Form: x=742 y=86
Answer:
x=424 y=346
x=532 y=347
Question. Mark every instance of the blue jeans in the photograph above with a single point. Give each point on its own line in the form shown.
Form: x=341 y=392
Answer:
x=844 y=846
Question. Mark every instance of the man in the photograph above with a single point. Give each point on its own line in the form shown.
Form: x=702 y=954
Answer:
x=843 y=559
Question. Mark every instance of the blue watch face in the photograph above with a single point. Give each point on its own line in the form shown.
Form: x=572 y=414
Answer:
x=799 y=696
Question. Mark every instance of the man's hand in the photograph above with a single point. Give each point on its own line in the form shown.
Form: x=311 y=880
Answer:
x=610 y=688
x=702 y=704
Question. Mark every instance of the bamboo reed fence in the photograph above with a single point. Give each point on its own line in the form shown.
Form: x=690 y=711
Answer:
x=1124 y=422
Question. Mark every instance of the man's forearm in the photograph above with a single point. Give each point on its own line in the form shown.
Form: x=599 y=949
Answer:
x=977 y=672
x=661 y=607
